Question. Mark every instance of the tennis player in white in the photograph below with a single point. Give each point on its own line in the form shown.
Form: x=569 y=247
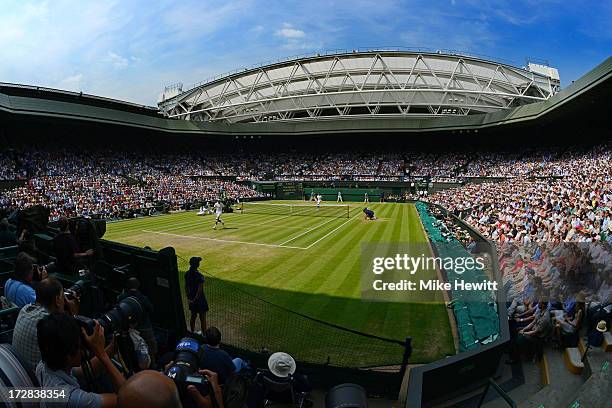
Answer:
x=218 y=212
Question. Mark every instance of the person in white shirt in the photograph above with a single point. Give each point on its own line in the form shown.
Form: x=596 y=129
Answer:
x=339 y=200
x=218 y=212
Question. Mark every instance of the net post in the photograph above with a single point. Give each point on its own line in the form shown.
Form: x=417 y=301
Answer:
x=406 y=356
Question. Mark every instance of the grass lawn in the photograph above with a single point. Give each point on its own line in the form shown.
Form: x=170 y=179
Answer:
x=308 y=264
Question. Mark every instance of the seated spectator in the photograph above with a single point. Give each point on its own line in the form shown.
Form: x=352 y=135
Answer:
x=7 y=237
x=531 y=337
x=67 y=250
x=568 y=324
x=217 y=360
x=49 y=299
x=18 y=289
x=144 y=326
x=59 y=340
x=596 y=336
x=600 y=306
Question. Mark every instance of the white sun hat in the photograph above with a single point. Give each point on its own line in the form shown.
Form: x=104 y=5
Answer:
x=281 y=364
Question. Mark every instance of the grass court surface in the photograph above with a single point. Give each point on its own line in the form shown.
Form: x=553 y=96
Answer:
x=308 y=264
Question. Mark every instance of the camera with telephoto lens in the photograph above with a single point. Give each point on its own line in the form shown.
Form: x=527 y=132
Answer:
x=76 y=290
x=127 y=312
x=184 y=369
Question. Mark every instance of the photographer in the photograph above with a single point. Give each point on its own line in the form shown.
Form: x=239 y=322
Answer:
x=18 y=289
x=60 y=341
x=49 y=299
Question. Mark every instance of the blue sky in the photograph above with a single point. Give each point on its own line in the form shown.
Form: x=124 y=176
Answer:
x=131 y=49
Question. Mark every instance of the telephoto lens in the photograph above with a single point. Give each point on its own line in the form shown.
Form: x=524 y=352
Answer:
x=76 y=290
x=127 y=312
x=184 y=369
x=86 y=323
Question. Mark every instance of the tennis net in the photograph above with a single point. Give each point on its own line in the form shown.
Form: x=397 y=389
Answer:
x=312 y=210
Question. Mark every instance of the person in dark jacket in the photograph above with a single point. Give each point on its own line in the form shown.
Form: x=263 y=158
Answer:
x=194 y=287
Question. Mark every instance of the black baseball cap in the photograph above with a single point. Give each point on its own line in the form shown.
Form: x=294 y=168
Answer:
x=195 y=261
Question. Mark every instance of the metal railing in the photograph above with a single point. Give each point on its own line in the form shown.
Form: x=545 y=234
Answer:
x=499 y=391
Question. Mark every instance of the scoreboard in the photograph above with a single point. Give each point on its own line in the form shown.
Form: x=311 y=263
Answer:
x=289 y=190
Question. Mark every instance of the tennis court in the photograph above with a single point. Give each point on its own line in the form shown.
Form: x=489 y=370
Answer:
x=304 y=259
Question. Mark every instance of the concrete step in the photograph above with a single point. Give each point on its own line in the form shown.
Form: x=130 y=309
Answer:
x=595 y=393
x=563 y=384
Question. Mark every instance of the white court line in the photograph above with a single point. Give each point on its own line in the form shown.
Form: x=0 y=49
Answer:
x=307 y=231
x=230 y=222
x=265 y=224
x=331 y=232
x=223 y=240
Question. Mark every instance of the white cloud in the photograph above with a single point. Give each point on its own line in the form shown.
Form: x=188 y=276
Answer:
x=71 y=83
x=202 y=17
x=258 y=29
x=289 y=32
x=117 y=60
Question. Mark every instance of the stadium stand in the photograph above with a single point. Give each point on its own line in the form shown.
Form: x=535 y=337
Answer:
x=129 y=181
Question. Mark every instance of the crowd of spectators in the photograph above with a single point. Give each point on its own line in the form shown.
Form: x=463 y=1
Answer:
x=544 y=194
x=8 y=168
x=245 y=165
x=575 y=207
x=111 y=196
x=554 y=290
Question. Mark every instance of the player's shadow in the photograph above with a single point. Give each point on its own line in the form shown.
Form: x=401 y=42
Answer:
x=226 y=228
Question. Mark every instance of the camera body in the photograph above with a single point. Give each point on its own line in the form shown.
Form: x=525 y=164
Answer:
x=38 y=272
x=184 y=369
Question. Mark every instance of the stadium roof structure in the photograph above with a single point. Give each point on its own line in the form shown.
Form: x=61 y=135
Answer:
x=585 y=101
x=363 y=84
